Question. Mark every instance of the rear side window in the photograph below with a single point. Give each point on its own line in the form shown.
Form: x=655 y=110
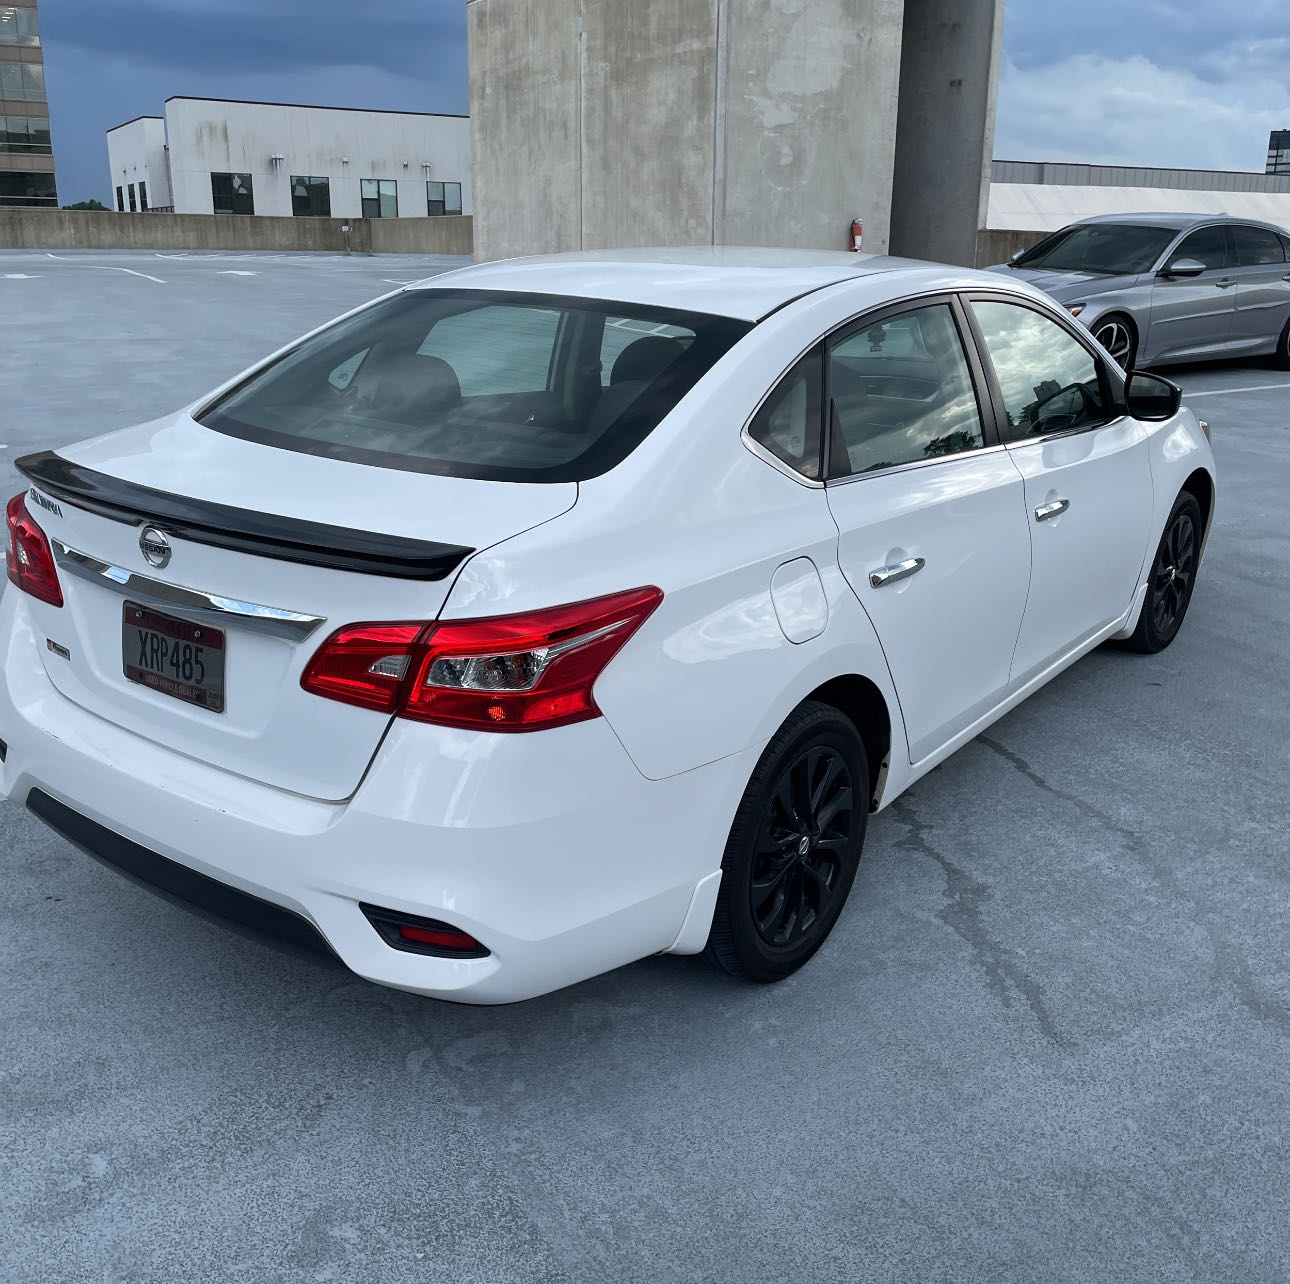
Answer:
x=902 y=393
x=479 y=383
x=1256 y=245
x=790 y=421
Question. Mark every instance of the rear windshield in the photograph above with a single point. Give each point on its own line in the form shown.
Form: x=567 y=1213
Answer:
x=1113 y=249
x=476 y=383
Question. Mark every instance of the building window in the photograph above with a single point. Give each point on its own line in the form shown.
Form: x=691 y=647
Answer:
x=310 y=197
x=380 y=198
x=134 y=209
x=22 y=81
x=18 y=26
x=19 y=188
x=120 y=201
x=443 y=198
x=27 y=135
x=232 y=194
x=143 y=197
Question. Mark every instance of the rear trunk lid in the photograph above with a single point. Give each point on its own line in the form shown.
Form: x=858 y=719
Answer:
x=269 y=551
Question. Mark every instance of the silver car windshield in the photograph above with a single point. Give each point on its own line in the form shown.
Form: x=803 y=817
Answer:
x=1109 y=249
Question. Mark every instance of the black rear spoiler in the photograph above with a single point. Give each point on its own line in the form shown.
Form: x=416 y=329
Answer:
x=286 y=539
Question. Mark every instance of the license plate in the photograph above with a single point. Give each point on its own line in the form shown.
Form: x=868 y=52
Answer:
x=176 y=657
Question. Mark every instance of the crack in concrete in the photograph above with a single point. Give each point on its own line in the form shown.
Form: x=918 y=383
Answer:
x=965 y=895
x=1230 y=967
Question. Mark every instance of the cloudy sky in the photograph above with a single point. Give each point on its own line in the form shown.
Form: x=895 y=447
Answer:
x=1138 y=82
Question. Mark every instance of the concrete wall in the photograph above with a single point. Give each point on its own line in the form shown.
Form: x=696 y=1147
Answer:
x=998 y=246
x=209 y=136
x=137 y=153
x=949 y=71
x=810 y=121
x=525 y=125
x=602 y=123
x=86 y=230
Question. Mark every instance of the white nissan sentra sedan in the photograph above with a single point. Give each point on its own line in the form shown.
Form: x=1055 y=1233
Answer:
x=563 y=611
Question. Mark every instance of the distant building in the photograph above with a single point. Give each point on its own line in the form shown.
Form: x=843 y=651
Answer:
x=1279 y=152
x=26 y=154
x=1038 y=196
x=212 y=156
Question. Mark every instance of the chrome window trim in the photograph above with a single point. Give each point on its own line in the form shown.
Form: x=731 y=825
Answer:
x=207 y=608
x=975 y=453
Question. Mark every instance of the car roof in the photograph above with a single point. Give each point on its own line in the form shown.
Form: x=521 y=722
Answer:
x=1178 y=221
x=747 y=283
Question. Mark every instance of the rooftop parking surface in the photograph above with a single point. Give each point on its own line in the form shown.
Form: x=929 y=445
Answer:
x=1049 y=1039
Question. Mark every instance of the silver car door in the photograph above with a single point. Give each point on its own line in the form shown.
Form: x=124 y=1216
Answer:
x=1262 y=287
x=1192 y=316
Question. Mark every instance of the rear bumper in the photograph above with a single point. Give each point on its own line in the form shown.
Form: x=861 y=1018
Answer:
x=551 y=849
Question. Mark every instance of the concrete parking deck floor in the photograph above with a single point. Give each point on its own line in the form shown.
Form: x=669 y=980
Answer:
x=1048 y=1041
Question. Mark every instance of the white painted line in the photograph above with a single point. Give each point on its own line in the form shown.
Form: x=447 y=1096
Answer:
x=389 y=280
x=18 y=276
x=1218 y=392
x=232 y=272
x=98 y=267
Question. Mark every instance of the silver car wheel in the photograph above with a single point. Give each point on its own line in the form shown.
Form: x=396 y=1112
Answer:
x=1116 y=339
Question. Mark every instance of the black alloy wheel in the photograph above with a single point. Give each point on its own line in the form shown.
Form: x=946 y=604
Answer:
x=1281 y=359
x=1172 y=578
x=794 y=847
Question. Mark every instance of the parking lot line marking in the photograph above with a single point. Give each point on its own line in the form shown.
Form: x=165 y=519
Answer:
x=1218 y=392
x=99 y=267
x=18 y=276
x=234 y=272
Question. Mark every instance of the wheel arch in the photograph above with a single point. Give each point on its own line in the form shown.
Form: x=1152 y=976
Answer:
x=1201 y=485
x=1120 y=314
x=860 y=699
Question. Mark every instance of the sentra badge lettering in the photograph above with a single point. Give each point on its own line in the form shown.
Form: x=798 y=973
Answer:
x=41 y=502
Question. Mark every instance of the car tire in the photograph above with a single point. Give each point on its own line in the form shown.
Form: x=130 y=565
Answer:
x=1281 y=359
x=1171 y=580
x=1116 y=333
x=794 y=847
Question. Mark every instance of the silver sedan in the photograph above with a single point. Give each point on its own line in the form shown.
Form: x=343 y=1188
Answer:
x=1161 y=288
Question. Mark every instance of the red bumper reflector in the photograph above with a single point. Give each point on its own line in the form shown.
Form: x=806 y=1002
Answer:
x=417 y=935
x=444 y=940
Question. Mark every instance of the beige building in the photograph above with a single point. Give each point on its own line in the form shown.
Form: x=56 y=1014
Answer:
x=26 y=154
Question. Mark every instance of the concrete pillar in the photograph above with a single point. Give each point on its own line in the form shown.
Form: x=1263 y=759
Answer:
x=613 y=123
x=949 y=75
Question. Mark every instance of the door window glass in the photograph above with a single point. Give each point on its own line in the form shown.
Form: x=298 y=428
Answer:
x=1207 y=245
x=1048 y=379
x=1256 y=245
x=902 y=392
x=789 y=424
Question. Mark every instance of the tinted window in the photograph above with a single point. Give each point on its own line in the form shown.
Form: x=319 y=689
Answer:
x=21 y=187
x=1115 y=249
x=443 y=198
x=1256 y=245
x=134 y=206
x=1207 y=245
x=1048 y=379
x=143 y=196
x=232 y=194
x=474 y=383
x=310 y=197
x=789 y=424
x=902 y=392
x=621 y=333
x=380 y=198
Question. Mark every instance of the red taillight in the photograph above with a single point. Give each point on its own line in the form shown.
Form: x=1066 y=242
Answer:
x=28 y=557
x=363 y=664
x=504 y=673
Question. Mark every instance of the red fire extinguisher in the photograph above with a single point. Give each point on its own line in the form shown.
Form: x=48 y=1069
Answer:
x=855 y=235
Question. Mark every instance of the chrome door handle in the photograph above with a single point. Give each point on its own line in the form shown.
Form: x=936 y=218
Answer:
x=901 y=571
x=1045 y=511
x=1225 y=282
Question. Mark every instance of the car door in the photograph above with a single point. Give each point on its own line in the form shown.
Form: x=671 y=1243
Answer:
x=1192 y=315
x=1087 y=478
x=1262 y=287
x=929 y=509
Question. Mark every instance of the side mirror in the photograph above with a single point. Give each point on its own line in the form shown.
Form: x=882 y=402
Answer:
x=1151 y=397
x=1184 y=267
x=1013 y=257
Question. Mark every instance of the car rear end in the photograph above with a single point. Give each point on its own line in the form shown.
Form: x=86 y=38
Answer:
x=224 y=671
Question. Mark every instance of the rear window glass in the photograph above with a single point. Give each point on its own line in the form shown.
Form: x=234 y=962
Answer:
x=473 y=383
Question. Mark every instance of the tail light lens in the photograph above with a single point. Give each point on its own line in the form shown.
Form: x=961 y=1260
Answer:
x=504 y=673
x=28 y=557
